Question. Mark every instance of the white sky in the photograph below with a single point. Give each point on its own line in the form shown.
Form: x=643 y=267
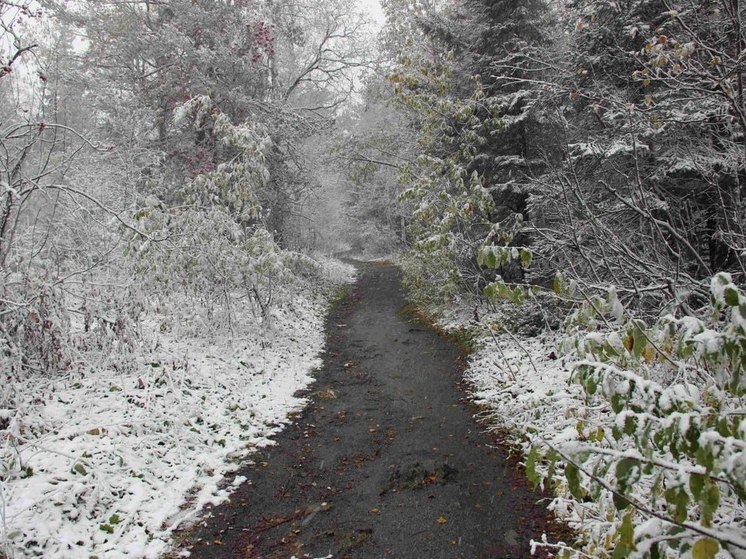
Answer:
x=373 y=7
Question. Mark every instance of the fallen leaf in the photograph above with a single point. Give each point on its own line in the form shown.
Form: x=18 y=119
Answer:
x=441 y=520
x=375 y=510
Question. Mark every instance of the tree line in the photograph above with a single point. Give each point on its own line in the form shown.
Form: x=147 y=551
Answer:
x=590 y=156
x=157 y=152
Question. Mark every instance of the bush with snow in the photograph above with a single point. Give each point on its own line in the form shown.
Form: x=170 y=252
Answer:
x=638 y=428
x=136 y=371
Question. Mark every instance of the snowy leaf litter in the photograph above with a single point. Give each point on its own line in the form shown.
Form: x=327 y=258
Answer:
x=110 y=463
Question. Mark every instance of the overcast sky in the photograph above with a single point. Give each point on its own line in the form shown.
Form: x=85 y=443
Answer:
x=374 y=8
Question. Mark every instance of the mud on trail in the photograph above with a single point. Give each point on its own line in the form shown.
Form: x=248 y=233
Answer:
x=385 y=461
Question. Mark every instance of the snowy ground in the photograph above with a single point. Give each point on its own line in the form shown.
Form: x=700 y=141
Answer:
x=109 y=463
x=520 y=380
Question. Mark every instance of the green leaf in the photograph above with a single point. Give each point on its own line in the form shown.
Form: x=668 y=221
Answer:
x=491 y=259
x=730 y=295
x=696 y=485
x=627 y=473
x=639 y=341
x=705 y=457
x=709 y=502
x=617 y=402
x=620 y=502
x=692 y=437
x=627 y=531
x=114 y=519
x=626 y=543
x=579 y=427
x=480 y=257
x=592 y=386
x=517 y=295
x=678 y=499
x=490 y=292
x=558 y=283
x=630 y=425
x=572 y=473
x=526 y=258
x=705 y=548
x=106 y=528
x=552 y=458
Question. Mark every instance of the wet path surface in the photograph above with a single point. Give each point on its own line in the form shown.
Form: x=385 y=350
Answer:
x=386 y=461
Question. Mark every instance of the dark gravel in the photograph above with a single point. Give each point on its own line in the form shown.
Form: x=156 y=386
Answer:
x=386 y=461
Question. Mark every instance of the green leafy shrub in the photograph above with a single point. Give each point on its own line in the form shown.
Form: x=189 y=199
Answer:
x=664 y=456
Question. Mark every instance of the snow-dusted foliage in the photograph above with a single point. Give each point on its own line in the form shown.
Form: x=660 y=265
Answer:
x=154 y=323
x=135 y=374
x=144 y=345
x=637 y=427
x=660 y=452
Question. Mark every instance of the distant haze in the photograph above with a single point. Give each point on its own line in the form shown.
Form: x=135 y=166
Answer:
x=373 y=7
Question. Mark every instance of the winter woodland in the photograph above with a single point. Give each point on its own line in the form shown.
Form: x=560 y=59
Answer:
x=561 y=182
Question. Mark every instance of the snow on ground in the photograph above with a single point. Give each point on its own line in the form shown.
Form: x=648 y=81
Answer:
x=521 y=381
x=525 y=394
x=112 y=462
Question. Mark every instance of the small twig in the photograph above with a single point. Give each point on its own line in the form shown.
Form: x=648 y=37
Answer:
x=502 y=353
x=520 y=345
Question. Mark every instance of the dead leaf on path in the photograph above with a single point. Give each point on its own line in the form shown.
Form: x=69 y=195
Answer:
x=441 y=520
x=375 y=510
x=327 y=394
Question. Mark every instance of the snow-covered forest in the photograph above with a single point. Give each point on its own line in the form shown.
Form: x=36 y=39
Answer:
x=561 y=182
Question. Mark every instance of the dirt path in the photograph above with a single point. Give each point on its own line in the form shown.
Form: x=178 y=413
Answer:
x=386 y=461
